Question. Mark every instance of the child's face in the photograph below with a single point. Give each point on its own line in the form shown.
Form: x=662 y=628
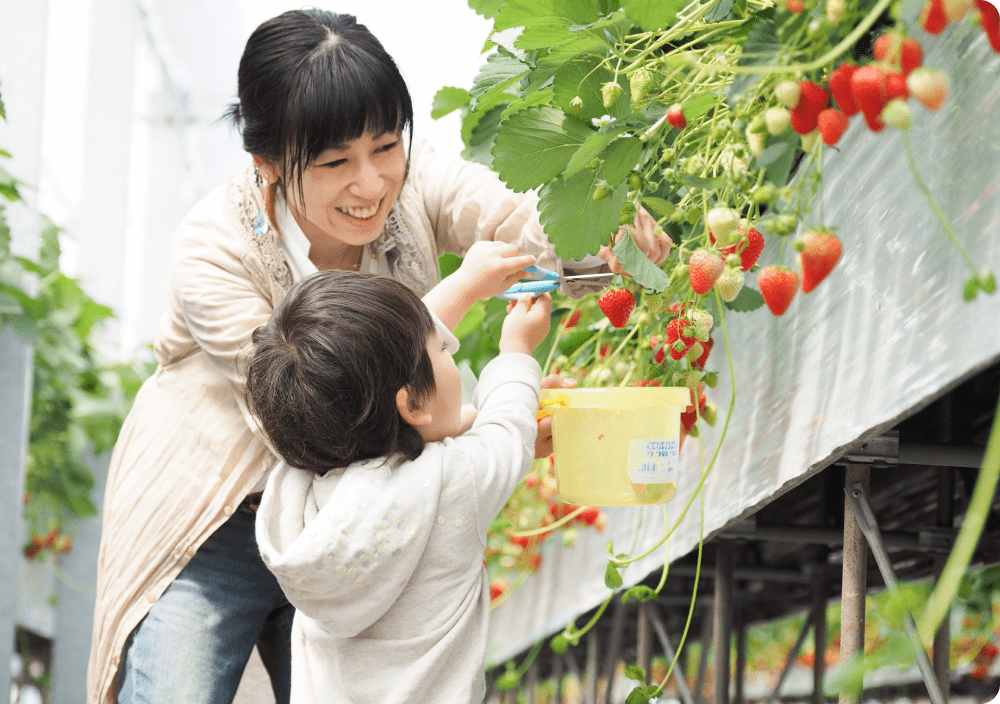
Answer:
x=445 y=403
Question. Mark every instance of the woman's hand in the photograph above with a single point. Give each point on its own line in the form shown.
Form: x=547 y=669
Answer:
x=490 y=268
x=543 y=441
x=650 y=239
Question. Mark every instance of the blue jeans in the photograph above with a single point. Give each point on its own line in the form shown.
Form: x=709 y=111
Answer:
x=195 y=642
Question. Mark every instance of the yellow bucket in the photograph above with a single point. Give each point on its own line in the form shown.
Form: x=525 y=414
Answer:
x=616 y=446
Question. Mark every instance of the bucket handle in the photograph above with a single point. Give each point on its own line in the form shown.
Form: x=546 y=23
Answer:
x=549 y=406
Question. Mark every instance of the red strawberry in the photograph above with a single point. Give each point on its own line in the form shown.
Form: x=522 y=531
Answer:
x=617 y=304
x=704 y=268
x=589 y=515
x=675 y=116
x=795 y=6
x=707 y=347
x=895 y=86
x=751 y=250
x=688 y=417
x=571 y=320
x=840 y=86
x=831 y=123
x=898 y=50
x=812 y=101
x=933 y=18
x=519 y=540
x=498 y=587
x=989 y=17
x=869 y=88
x=680 y=337
x=818 y=254
x=531 y=480
x=778 y=286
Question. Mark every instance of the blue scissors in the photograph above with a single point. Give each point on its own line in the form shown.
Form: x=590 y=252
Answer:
x=540 y=280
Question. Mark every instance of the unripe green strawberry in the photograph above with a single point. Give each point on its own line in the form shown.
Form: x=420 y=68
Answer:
x=758 y=125
x=610 y=93
x=635 y=181
x=929 y=86
x=600 y=193
x=777 y=120
x=692 y=215
x=723 y=223
x=655 y=303
x=710 y=414
x=702 y=320
x=896 y=114
x=756 y=143
x=764 y=193
x=784 y=225
x=788 y=93
x=835 y=10
x=628 y=210
x=639 y=83
x=730 y=283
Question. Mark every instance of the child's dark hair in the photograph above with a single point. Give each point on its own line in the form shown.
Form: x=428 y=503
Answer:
x=310 y=80
x=325 y=369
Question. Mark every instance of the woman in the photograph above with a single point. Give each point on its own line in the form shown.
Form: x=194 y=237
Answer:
x=183 y=595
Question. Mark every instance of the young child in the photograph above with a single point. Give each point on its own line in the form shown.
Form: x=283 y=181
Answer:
x=375 y=527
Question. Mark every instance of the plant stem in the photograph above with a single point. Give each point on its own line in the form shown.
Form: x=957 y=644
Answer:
x=939 y=603
x=934 y=205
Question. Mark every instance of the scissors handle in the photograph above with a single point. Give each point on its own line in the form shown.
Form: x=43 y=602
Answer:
x=533 y=287
x=537 y=273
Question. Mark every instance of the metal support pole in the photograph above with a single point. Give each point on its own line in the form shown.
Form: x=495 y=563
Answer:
x=942 y=638
x=706 y=643
x=741 y=657
x=531 y=682
x=557 y=676
x=857 y=497
x=613 y=653
x=643 y=641
x=854 y=582
x=590 y=693
x=722 y=625
x=653 y=614
x=819 y=636
x=792 y=654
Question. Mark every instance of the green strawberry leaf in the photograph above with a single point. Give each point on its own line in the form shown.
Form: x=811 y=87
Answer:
x=533 y=146
x=746 y=300
x=778 y=157
x=449 y=99
x=575 y=223
x=720 y=11
x=639 y=593
x=500 y=72
x=707 y=184
x=525 y=13
x=620 y=159
x=639 y=695
x=612 y=579
x=652 y=15
x=590 y=149
x=486 y=8
x=658 y=206
x=543 y=36
x=639 y=267
x=583 y=78
x=634 y=672
x=479 y=132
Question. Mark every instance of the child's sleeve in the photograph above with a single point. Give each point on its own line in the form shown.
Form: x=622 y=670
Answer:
x=501 y=443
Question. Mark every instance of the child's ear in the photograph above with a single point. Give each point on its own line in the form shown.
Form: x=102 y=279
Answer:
x=415 y=416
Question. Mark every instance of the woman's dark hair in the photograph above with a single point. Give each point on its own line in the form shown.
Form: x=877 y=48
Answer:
x=310 y=80
x=326 y=367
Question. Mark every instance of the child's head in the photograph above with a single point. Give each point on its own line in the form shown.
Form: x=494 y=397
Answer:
x=351 y=367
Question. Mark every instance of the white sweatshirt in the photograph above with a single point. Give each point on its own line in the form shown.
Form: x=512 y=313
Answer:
x=384 y=561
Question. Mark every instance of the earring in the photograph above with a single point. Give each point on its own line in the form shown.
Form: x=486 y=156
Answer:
x=257 y=177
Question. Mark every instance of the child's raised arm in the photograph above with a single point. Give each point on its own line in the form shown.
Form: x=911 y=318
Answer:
x=489 y=268
x=526 y=324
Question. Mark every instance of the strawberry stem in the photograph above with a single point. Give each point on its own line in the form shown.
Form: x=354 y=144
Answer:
x=934 y=205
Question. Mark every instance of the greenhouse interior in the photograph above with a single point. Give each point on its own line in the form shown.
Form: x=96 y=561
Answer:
x=823 y=524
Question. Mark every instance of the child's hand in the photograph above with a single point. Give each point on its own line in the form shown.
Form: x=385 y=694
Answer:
x=490 y=268
x=526 y=324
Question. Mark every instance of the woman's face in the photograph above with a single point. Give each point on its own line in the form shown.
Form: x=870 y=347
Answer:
x=348 y=191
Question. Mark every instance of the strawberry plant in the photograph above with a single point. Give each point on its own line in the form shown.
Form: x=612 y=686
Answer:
x=712 y=115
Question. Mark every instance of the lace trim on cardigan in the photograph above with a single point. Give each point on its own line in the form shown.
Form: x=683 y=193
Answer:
x=397 y=246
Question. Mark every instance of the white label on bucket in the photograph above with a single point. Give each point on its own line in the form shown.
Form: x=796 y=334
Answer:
x=652 y=461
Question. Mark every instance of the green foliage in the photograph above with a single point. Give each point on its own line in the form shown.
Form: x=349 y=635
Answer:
x=78 y=401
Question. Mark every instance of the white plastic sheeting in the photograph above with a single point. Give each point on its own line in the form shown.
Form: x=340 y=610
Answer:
x=882 y=336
